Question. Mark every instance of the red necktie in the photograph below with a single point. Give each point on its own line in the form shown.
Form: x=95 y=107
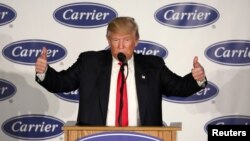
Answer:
x=121 y=112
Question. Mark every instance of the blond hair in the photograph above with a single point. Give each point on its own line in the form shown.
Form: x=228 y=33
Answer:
x=124 y=25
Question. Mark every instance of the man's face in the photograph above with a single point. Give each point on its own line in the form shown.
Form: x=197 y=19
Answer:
x=120 y=42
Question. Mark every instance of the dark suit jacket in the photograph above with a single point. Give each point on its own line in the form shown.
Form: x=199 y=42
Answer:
x=91 y=75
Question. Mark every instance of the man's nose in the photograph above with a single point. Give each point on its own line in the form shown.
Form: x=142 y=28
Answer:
x=121 y=44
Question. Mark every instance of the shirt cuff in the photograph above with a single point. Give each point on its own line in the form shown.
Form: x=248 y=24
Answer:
x=202 y=82
x=41 y=76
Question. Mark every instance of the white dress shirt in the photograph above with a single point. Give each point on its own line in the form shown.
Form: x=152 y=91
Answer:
x=133 y=119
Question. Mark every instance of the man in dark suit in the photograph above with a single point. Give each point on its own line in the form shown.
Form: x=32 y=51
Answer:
x=95 y=73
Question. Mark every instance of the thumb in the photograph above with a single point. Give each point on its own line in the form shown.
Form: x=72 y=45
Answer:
x=196 y=64
x=44 y=53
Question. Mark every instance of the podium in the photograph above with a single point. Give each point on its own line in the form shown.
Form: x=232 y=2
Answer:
x=73 y=132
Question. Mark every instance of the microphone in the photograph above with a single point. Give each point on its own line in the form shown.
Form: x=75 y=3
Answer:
x=122 y=58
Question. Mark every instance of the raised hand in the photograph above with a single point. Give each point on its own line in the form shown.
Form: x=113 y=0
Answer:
x=198 y=71
x=41 y=62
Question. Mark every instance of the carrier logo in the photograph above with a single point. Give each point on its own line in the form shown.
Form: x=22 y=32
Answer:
x=7 y=89
x=72 y=96
x=26 y=51
x=84 y=15
x=229 y=120
x=151 y=48
x=186 y=15
x=7 y=14
x=209 y=92
x=231 y=52
x=119 y=136
x=33 y=127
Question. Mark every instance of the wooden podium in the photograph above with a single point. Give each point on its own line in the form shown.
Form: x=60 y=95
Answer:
x=72 y=132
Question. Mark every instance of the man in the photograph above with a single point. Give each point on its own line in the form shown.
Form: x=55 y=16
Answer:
x=95 y=75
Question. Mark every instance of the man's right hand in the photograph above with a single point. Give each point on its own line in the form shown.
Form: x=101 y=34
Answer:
x=41 y=62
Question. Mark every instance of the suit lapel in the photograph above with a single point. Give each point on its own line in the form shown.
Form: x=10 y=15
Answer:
x=141 y=86
x=103 y=83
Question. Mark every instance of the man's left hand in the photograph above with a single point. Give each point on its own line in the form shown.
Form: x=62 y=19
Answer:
x=198 y=71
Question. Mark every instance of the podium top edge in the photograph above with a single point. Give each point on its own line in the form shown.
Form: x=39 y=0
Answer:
x=69 y=125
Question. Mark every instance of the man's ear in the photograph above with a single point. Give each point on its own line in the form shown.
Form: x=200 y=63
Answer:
x=107 y=37
x=137 y=42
